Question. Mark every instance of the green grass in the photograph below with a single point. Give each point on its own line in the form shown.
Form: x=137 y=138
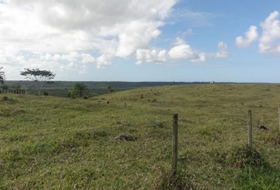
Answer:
x=59 y=143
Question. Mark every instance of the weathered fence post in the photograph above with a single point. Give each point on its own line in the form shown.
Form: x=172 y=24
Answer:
x=279 y=116
x=250 y=128
x=175 y=143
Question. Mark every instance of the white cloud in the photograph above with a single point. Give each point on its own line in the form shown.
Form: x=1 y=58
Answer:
x=150 y=56
x=136 y=35
x=85 y=20
x=9 y=55
x=71 y=57
x=269 y=41
x=87 y=58
x=106 y=58
x=161 y=56
x=185 y=51
x=65 y=34
x=103 y=60
x=179 y=41
x=56 y=57
x=222 y=52
x=250 y=36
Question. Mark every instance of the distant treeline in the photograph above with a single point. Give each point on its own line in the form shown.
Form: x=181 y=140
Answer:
x=61 y=88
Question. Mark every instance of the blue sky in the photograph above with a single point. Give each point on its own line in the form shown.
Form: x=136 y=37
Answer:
x=142 y=40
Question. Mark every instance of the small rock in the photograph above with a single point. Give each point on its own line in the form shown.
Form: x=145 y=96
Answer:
x=262 y=127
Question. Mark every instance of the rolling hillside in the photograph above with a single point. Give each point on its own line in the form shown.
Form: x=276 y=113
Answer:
x=59 y=143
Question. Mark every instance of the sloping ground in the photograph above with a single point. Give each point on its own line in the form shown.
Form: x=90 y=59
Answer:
x=59 y=143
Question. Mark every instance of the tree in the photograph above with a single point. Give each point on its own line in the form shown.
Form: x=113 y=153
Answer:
x=17 y=87
x=5 y=88
x=79 y=89
x=38 y=76
x=110 y=89
x=2 y=76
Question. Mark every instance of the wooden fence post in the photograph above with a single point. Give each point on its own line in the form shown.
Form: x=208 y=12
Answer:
x=250 y=135
x=279 y=116
x=175 y=144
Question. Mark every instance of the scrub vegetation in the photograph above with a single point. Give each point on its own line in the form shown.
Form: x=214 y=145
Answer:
x=123 y=140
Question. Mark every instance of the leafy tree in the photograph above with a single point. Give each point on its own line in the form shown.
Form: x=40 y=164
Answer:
x=40 y=77
x=5 y=87
x=2 y=76
x=79 y=89
x=17 y=87
x=110 y=89
x=72 y=93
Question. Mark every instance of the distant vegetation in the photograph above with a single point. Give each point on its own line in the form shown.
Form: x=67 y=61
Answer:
x=62 y=88
x=79 y=90
x=123 y=140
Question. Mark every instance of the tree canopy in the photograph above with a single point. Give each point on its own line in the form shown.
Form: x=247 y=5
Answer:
x=2 y=76
x=38 y=76
x=5 y=87
x=79 y=89
x=17 y=87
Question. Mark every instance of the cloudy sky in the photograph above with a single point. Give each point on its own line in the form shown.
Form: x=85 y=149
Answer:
x=142 y=40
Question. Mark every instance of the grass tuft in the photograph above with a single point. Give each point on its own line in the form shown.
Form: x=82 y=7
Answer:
x=245 y=156
x=167 y=181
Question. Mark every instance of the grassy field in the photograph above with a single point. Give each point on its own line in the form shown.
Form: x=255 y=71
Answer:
x=59 y=143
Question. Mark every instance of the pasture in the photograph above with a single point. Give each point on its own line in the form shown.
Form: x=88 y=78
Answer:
x=59 y=143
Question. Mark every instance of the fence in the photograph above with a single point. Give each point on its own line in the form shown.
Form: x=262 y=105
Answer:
x=174 y=135
x=19 y=91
